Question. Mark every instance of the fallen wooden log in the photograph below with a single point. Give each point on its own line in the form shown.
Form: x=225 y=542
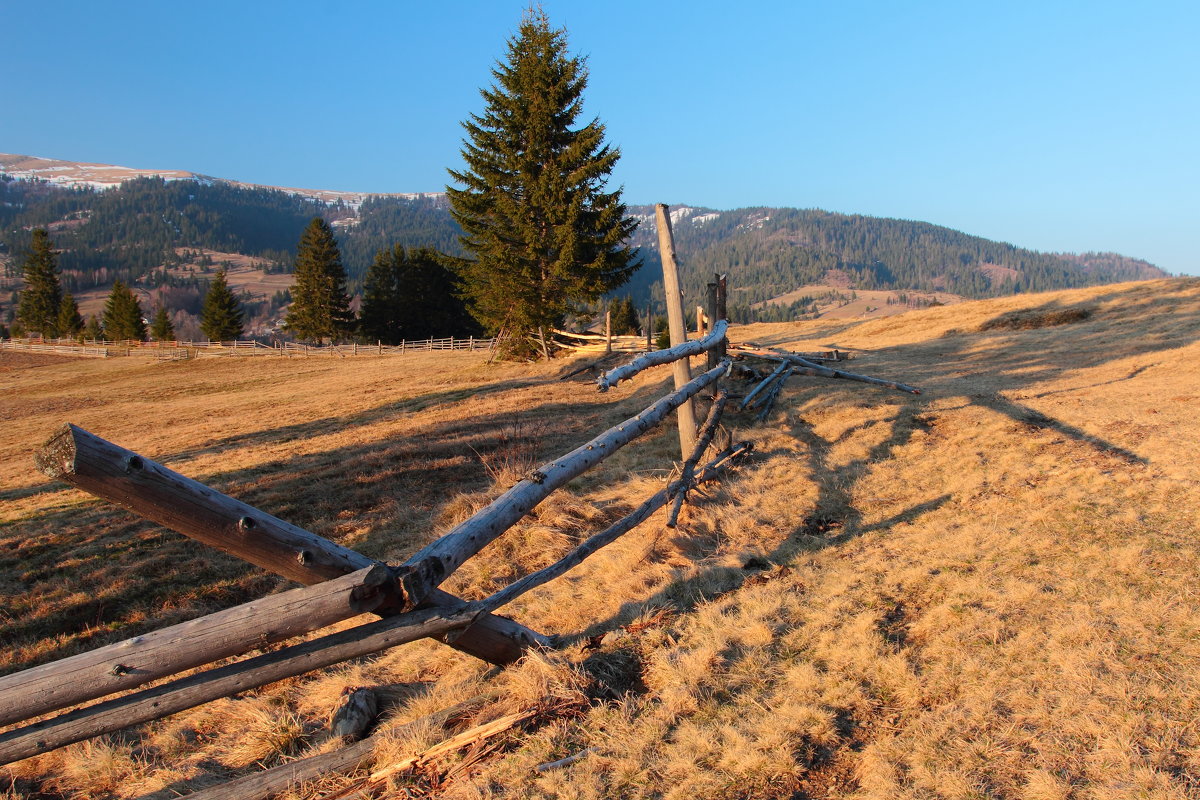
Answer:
x=806 y=367
x=686 y=473
x=265 y=784
x=608 y=535
x=199 y=512
x=185 y=693
x=763 y=384
x=438 y=560
x=659 y=357
x=773 y=395
x=133 y=662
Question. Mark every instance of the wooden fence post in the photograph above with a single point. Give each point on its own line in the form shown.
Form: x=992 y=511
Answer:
x=686 y=414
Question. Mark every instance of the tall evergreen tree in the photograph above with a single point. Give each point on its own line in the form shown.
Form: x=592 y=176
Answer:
x=412 y=295
x=320 y=306
x=221 y=314
x=541 y=231
x=123 y=315
x=93 y=331
x=624 y=317
x=161 y=328
x=42 y=295
x=70 y=323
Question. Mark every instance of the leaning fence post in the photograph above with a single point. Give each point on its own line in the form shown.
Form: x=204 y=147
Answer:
x=686 y=414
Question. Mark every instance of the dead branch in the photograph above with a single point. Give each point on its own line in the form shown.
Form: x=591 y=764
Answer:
x=763 y=385
x=806 y=367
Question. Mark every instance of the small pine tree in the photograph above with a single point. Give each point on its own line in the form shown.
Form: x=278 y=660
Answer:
x=123 y=315
x=161 y=328
x=320 y=307
x=221 y=315
x=625 y=320
x=40 y=300
x=93 y=330
x=378 y=320
x=70 y=323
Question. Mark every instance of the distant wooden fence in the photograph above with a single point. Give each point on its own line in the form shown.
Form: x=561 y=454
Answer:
x=170 y=351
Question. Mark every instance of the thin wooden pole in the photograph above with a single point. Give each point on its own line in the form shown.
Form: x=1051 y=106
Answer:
x=608 y=331
x=686 y=416
x=438 y=560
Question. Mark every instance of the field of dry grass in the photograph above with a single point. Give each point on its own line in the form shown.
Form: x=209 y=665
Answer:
x=985 y=591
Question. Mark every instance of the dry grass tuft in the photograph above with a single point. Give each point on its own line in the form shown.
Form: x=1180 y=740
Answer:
x=987 y=590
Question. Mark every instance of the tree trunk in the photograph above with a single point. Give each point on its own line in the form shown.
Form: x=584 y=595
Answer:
x=682 y=368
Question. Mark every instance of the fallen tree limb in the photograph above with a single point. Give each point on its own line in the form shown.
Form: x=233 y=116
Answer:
x=773 y=395
x=264 y=784
x=185 y=693
x=133 y=662
x=199 y=512
x=686 y=474
x=806 y=367
x=764 y=383
x=438 y=560
x=659 y=357
x=609 y=535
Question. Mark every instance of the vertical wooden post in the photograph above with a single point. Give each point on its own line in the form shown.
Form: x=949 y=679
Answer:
x=701 y=329
x=685 y=415
x=649 y=328
x=608 y=331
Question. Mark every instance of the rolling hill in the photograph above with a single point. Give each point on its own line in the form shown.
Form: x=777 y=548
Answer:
x=986 y=590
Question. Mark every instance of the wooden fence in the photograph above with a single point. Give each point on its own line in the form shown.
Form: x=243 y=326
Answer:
x=170 y=351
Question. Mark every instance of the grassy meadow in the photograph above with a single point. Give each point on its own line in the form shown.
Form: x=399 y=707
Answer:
x=989 y=590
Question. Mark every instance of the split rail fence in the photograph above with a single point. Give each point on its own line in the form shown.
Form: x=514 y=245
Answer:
x=339 y=583
x=170 y=351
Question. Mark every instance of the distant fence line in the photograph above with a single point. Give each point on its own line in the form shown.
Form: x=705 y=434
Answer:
x=172 y=351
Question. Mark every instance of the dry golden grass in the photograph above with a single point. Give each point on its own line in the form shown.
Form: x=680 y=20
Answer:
x=985 y=591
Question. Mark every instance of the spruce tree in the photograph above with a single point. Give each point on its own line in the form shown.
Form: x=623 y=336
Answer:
x=40 y=299
x=320 y=307
x=123 y=315
x=379 y=318
x=70 y=323
x=541 y=231
x=221 y=314
x=161 y=328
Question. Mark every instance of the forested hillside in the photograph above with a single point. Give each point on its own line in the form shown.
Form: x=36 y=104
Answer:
x=137 y=232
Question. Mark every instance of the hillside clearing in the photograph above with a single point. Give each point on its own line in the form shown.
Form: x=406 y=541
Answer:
x=987 y=590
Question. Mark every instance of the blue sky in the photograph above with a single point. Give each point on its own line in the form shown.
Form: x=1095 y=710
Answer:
x=1061 y=126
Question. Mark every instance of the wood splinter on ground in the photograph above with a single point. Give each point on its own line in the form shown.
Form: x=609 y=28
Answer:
x=356 y=714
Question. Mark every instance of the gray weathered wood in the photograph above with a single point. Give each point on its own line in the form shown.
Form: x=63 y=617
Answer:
x=767 y=381
x=609 y=534
x=128 y=664
x=185 y=693
x=121 y=476
x=659 y=357
x=357 y=713
x=686 y=473
x=681 y=369
x=438 y=560
x=807 y=367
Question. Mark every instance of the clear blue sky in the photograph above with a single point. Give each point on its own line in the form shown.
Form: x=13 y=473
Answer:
x=1062 y=126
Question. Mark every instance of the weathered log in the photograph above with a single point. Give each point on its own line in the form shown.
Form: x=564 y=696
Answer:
x=185 y=693
x=763 y=385
x=659 y=357
x=438 y=560
x=609 y=534
x=199 y=512
x=686 y=473
x=773 y=395
x=357 y=713
x=562 y=762
x=681 y=369
x=128 y=664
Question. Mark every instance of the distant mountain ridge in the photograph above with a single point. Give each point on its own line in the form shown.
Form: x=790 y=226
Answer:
x=115 y=222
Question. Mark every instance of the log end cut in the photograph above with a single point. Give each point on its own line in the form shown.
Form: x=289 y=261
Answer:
x=56 y=457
